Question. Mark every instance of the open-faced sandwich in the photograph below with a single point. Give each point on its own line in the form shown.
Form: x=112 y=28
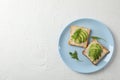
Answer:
x=95 y=52
x=79 y=36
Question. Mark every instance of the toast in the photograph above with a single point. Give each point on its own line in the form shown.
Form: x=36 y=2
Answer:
x=82 y=43
x=103 y=53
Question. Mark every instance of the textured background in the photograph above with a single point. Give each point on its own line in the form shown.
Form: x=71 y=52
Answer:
x=29 y=31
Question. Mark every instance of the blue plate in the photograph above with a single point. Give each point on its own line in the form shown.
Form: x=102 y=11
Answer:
x=97 y=29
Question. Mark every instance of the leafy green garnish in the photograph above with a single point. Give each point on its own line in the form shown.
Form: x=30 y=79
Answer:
x=74 y=55
x=97 y=38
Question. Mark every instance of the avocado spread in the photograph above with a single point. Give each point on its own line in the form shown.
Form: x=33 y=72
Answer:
x=80 y=36
x=95 y=51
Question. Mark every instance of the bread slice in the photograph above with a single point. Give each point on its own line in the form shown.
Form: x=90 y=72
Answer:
x=105 y=51
x=72 y=30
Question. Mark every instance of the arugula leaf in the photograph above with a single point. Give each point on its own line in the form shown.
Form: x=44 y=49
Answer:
x=97 y=38
x=74 y=55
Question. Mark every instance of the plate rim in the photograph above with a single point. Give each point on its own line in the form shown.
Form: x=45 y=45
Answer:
x=70 y=24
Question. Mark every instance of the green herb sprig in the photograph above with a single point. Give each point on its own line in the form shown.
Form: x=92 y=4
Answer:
x=74 y=55
x=97 y=38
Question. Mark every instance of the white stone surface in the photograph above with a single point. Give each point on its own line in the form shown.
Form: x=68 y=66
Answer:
x=29 y=31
